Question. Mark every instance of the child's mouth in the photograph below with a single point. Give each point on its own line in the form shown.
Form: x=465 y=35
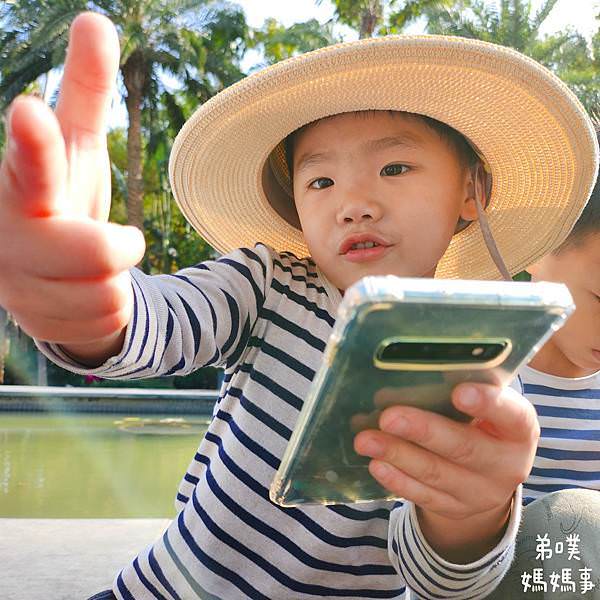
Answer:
x=363 y=247
x=363 y=252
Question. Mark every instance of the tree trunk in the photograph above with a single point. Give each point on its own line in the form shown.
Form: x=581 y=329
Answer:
x=134 y=77
x=370 y=18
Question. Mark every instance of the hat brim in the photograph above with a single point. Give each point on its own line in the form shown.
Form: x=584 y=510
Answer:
x=537 y=139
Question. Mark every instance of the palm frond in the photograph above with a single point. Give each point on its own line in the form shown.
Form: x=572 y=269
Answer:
x=542 y=14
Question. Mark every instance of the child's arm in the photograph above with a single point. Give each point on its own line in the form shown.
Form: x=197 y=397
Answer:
x=200 y=316
x=63 y=267
x=461 y=478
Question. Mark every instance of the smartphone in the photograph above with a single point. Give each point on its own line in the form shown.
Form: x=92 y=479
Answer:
x=406 y=341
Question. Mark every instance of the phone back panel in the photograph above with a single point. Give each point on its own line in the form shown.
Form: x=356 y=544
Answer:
x=353 y=385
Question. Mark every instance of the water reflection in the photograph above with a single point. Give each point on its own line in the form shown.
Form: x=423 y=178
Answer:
x=89 y=466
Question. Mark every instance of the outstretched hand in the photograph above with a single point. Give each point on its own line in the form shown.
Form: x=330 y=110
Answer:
x=63 y=267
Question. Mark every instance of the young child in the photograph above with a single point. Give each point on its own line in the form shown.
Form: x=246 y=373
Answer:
x=563 y=384
x=563 y=379
x=373 y=189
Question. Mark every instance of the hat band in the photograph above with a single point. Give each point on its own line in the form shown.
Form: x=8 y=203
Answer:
x=487 y=234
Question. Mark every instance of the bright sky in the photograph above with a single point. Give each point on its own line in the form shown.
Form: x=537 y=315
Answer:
x=580 y=14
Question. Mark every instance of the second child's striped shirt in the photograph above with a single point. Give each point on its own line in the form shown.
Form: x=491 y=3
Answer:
x=568 y=454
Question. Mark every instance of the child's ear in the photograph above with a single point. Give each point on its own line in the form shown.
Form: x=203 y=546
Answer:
x=475 y=192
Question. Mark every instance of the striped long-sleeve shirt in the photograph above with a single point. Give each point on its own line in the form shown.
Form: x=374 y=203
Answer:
x=266 y=318
x=568 y=454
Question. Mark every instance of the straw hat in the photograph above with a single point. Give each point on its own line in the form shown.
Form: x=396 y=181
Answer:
x=229 y=177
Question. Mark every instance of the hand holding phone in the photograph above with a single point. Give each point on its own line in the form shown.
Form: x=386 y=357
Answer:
x=461 y=477
x=407 y=342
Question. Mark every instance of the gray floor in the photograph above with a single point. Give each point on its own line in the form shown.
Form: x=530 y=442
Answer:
x=68 y=559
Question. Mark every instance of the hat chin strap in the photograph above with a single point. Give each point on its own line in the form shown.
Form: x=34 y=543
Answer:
x=487 y=235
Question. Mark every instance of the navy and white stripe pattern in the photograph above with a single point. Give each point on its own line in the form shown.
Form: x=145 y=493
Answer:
x=568 y=454
x=266 y=318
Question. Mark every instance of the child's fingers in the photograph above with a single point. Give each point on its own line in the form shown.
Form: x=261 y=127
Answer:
x=81 y=331
x=457 y=442
x=32 y=175
x=423 y=466
x=408 y=488
x=85 y=97
x=506 y=415
x=58 y=248
x=89 y=80
x=68 y=299
x=509 y=414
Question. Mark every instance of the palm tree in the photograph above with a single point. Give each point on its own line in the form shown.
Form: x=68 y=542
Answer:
x=198 y=43
x=277 y=42
x=378 y=17
x=510 y=23
x=364 y=15
x=514 y=23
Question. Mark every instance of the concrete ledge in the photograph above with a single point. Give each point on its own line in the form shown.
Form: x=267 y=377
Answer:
x=55 y=399
x=68 y=559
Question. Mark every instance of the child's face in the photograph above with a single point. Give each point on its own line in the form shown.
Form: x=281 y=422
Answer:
x=579 y=268
x=378 y=178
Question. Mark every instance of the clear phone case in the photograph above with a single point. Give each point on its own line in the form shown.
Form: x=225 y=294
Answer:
x=406 y=341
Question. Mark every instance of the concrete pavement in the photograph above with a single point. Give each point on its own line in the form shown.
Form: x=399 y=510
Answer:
x=68 y=559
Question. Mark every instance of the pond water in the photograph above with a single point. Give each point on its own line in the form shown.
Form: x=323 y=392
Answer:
x=93 y=465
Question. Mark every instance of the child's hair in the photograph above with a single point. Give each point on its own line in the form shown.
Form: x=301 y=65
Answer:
x=589 y=220
x=464 y=151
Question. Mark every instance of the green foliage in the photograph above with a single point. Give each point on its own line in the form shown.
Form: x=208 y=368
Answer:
x=402 y=16
x=514 y=23
x=117 y=150
x=278 y=42
x=197 y=43
x=509 y=22
x=582 y=75
x=2 y=136
x=171 y=242
x=522 y=276
x=364 y=16
x=381 y=17
x=33 y=40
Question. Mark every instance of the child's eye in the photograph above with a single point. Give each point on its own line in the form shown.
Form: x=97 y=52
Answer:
x=395 y=169
x=319 y=184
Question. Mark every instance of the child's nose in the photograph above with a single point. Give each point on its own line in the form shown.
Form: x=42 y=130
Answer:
x=356 y=208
